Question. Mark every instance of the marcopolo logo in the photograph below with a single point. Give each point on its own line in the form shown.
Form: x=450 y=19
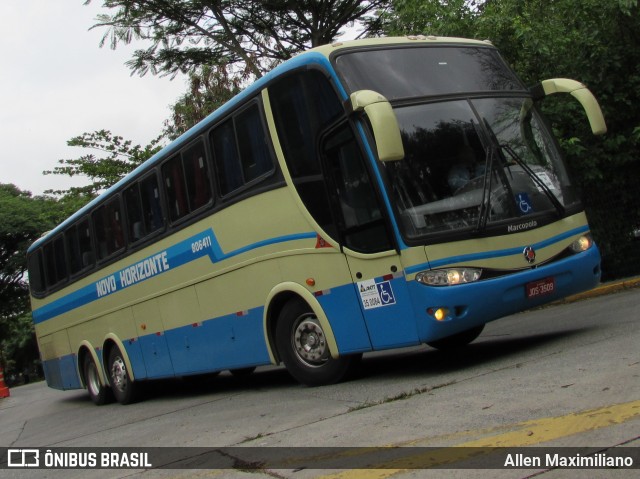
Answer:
x=522 y=226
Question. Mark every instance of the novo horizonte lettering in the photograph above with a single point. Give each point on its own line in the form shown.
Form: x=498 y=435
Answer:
x=135 y=273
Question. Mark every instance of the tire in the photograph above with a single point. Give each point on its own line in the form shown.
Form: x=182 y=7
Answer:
x=124 y=389
x=98 y=392
x=457 y=340
x=303 y=347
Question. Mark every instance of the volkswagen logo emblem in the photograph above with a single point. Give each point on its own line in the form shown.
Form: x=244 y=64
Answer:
x=529 y=254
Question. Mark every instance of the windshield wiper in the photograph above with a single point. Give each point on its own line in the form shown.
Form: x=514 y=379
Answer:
x=536 y=179
x=485 y=203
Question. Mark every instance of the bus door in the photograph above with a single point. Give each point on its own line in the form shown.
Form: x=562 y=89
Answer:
x=367 y=242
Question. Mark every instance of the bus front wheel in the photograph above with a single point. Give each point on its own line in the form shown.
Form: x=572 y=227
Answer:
x=124 y=389
x=303 y=348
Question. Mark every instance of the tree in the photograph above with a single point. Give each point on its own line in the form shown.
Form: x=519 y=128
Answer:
x=121 y=158
x=209 y=88
x=454 y=18
x=236 y=34
x=23 y=219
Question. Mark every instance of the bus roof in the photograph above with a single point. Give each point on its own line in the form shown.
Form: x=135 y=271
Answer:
x=317 y=55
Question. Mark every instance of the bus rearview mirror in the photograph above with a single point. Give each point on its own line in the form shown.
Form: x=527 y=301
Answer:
x=383 y=121
x=580 y=93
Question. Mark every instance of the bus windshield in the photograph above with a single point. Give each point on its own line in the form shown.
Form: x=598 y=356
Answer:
x=477 y=152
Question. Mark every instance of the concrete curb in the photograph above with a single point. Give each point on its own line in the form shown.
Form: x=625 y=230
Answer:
x=605 y=288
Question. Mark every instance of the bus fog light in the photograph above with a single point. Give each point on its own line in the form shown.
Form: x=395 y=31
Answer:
x=439 y=313
x=582 y=244
x=449 y=276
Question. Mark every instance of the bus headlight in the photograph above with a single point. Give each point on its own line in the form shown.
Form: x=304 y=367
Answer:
x=582 y=244
x=449 y=276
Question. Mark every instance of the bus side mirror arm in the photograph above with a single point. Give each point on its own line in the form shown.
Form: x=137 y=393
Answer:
x=383 y=122
x=580 y=93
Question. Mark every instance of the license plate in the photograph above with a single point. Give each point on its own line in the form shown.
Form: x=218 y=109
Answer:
x=541 y=287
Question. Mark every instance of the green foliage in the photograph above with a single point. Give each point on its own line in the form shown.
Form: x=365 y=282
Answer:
x=209 y=89
x=117 y=158
x=236 y=34
x=23 y=219
x=453 y=18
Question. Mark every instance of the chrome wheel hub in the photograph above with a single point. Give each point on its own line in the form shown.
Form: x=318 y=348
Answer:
x=309 y=341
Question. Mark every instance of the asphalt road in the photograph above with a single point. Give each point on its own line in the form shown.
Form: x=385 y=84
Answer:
x=565 y=375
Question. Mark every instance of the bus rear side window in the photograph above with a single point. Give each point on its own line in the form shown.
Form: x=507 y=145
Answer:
x=36 y=276
x=55 y=263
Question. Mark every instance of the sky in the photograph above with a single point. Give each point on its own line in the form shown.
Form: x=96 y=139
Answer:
x=57 y=83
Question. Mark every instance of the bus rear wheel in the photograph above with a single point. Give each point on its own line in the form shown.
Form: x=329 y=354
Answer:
x=124 y=389
x=303 y=348
x=99 y=393
x=457 y=340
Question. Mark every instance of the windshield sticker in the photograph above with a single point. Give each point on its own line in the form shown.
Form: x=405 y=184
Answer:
x=524 y=203
x=546 y=180
x=376 y=295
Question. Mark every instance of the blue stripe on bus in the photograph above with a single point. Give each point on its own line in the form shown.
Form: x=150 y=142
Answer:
x=191 y=249
x=495 y=254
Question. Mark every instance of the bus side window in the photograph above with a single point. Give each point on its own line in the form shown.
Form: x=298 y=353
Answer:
x=173 y=176
x=144 y=211
x=79 y=246
x=304 y=104
x=241 y=150
x=223 y=139
x=197 y=176
x=108 y=225
x=55 y=262
x=254 y=152
x=133 y=205
x=36 y=276
x=151 y=205
x=84 y=242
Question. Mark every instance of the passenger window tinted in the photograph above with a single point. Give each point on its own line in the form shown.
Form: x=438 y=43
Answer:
x=36 y=278
x=303 y=105
x=107 y=221
x=55 y=264
x=144 y=211
x=173 y=175
x=241 y=150
x=151 y=206
x=186 y=178
x=79 y=246
x=227 y=158
x=254 y=152
x=197 y=176
x=134 y=213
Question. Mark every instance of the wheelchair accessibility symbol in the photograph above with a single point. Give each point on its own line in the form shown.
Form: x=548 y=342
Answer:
x=376 y=295
x=386 y=293
x=524 y=203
